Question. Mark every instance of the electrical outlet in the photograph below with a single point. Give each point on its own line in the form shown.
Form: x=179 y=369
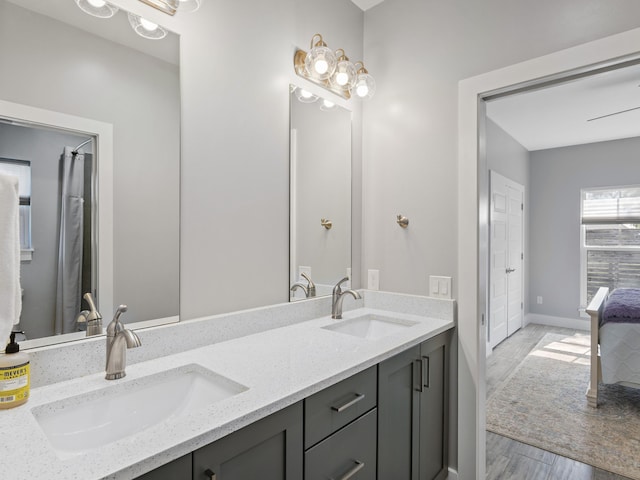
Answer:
x=539 y=300
x=373 y=279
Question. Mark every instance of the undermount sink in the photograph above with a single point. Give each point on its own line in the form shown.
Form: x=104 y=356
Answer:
x=92 y=420
x=370 y=326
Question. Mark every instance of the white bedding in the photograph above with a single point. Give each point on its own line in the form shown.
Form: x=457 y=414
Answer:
x=620 y=353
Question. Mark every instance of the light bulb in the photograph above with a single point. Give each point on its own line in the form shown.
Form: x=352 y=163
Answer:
x=321 y=66
x=362 y=90
x=328 y=103
x=147 y=25
x=342 y=78
x=97 y=3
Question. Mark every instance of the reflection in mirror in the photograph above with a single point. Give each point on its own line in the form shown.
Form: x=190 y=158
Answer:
x=320 y=162
x=69 y=65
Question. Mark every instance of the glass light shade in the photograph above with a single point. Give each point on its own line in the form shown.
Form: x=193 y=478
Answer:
x=305 y=96
x=145 y=28
x=327 y=105
x=97 y=8
x=188 y=5
x=365 y=86
x=344 y=76
x=320 y=62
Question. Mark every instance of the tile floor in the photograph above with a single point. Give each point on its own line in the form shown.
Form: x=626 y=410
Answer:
x=508 y=459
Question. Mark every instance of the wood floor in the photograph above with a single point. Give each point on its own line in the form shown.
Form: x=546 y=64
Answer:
x=508 y=459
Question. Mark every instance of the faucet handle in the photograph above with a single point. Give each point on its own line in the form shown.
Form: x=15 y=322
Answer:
x=337 y=290
x=116 y=325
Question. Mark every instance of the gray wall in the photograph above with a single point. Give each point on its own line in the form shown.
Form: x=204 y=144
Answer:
x=557 y=175
x=38 y=277
x=53 y=66
x=418 y=51
x=510 y=159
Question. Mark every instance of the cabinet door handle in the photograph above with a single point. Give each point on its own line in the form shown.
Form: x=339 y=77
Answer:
x=425 y=368
x=418 y=364
x=358 y=466
x=210 y=475
x=344 y=406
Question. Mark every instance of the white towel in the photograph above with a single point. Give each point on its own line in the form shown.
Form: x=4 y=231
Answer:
x=10 y=298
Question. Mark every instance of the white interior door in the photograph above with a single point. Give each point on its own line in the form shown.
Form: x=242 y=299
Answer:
x=506 y=254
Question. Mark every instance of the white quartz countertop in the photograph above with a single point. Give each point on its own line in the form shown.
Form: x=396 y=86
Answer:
x=279 y=366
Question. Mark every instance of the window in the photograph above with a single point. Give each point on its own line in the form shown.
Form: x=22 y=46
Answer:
x=22 y=170
x=610 y=246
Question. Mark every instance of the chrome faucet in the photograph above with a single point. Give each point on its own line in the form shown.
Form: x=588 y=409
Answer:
x=301 y=286
x=92 y=317
x=338 y=297
x=311 y=287
x=118 y=340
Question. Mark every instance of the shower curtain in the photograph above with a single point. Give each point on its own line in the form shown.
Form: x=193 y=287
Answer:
x=69 y=283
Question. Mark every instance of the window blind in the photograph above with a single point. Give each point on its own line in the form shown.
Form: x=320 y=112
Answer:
x=611 y=206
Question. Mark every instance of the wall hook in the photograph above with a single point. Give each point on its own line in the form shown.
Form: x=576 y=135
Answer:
x=326 y=223
x=403 y=221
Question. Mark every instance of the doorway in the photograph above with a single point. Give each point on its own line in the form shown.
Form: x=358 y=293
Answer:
x=473 y=224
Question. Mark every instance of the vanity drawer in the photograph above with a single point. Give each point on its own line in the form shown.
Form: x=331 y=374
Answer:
x=334 y=407
x=348 y=453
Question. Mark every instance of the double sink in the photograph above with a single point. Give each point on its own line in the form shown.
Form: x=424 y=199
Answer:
x=92 y=420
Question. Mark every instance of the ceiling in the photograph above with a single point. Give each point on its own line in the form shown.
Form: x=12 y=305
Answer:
x=559 y=116
x=366 y=4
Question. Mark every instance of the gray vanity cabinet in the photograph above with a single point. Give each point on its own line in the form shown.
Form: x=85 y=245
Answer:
x=340 y=430
x=412 y=412
x=269 y=449
x=179 y=469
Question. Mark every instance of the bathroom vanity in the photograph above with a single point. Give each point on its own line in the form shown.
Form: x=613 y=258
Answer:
x=310 y=398
x=401 y=403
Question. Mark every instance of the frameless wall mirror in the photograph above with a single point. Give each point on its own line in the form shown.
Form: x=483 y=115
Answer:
x=320 y=163
x=64 y=64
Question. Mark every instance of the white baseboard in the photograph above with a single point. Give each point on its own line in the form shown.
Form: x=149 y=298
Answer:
x=453 y=474
x=575 y=323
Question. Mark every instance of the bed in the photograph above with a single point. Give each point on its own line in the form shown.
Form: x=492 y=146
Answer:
x=615 y=327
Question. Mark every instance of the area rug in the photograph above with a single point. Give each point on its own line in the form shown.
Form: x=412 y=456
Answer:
x=543 y=403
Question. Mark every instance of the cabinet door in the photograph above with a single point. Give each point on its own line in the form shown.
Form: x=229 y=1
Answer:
x=269 y=449
x=179 y=469
x=434 y=408
x=398 y=416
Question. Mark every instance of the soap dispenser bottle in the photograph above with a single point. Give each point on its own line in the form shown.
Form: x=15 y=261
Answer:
x=14 y=375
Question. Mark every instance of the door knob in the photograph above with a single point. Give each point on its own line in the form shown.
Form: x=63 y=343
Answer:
x=509 y=270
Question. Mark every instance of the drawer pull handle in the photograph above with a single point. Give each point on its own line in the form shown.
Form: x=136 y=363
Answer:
x=358 y=466
x=210 y=475
x=343 y=407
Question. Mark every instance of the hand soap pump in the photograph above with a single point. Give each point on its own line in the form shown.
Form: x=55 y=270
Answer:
x=14 y=375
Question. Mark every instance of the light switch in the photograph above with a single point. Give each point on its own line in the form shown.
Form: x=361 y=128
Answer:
x=439 y=287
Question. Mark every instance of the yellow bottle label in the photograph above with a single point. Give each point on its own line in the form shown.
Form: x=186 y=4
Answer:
x=14 y=383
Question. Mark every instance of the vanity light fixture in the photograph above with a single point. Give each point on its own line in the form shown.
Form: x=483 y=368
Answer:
x=167 y=6
x=146 y=28
x=305 y=96
x=97 y=8
x=188 y=5
x=320 y=62
x=344 y=76
x=365 y=85
x=334 y=71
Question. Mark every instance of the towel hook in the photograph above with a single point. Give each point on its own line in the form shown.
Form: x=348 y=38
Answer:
x=403 y=221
